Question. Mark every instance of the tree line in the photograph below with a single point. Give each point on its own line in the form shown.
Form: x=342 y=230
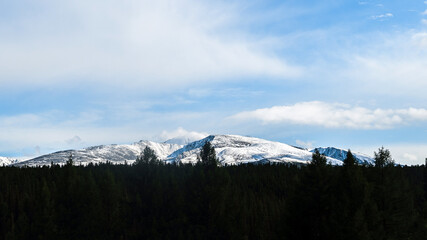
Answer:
x=150 y=200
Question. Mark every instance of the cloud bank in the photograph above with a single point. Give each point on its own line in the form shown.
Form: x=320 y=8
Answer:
x=334 y=116
x=136 y=43
x=181 y=136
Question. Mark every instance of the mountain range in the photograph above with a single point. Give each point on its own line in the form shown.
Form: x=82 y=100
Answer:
x=230 y=150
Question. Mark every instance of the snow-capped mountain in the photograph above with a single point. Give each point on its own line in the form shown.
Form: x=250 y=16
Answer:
x=230 y=150
x=4 y=161
x=233 y=149
x=341 y=154
x=116 y=154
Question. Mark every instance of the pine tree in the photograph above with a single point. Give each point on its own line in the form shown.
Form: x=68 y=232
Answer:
x=349 y=161
x=352 y=193
x=208 y=155
x=318 y=159
x=312 y=202
x=383 y=158
x=147 y=156
x=70 y=161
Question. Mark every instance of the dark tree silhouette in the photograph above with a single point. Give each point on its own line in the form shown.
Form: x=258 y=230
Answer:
x=270 y=201
x=318 y=159
x=70 y=161
x=208 y=155
x=147 y=156
x=349 y=161
x=383 y=158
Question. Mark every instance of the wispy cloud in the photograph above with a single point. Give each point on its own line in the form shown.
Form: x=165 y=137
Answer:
x=74 y=140
x=181 y=136
x=410 y=157
x=162 y=43
x=420 y=39
x=334 y=116
x=382 y=64
x=382 y=17
x=304 y=144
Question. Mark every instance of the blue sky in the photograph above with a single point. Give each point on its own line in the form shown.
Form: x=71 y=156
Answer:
x=350 y=74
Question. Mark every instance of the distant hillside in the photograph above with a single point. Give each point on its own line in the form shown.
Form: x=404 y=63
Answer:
x=230 y=150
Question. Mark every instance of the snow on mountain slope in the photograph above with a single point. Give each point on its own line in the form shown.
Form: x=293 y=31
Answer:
x=230 y=150
x=233 y=149
x=4 y=161
x=341 y=154
x=117 y=154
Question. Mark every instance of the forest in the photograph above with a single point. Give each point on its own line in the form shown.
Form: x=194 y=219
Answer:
x=151 y=200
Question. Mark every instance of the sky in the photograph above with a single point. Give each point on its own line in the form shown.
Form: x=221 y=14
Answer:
x=342 y=73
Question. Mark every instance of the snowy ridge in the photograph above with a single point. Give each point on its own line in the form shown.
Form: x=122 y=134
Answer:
x=234 y=149
x=116 y=154
x=230 y=150
x=341 y=154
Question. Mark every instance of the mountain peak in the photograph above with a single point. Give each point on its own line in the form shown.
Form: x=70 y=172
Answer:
x=235 y=149
x=230 y=150
x=115 y=153
x=341 y=154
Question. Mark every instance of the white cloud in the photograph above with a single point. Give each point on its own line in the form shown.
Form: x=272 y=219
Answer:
x=134 y=43
x=304 y=144
x=181 y=136
x=420 y=39
x=37 y=150
x=424 y=21
x=74 y=140
x=334 y=116
x=425 y=12
x=409 y=157
x=381 y=17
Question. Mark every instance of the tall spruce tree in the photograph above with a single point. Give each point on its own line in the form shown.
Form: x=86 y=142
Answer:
x=352 y=193
x=70 y=161
x=349 y=161
x=318 y=159
x=383 y=158
x=312 y=202
x=147 y=156
x=208 y=155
